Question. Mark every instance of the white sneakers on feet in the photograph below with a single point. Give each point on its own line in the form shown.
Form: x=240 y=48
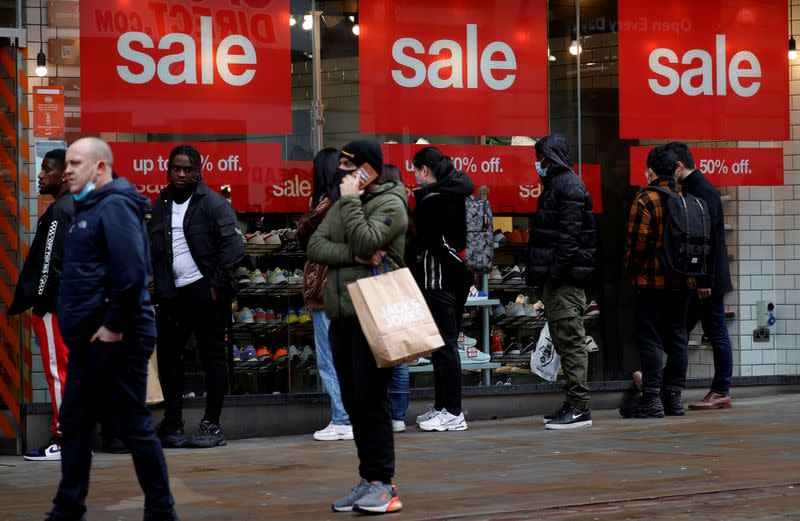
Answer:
x=427 y=415
x=398 y=426
x=444 y=421
x=334 y=432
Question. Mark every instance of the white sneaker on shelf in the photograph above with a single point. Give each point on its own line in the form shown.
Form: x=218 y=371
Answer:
x=334 y=432
x=427 y=415
x=398 y=426
x=444 y=421
x=473 y=355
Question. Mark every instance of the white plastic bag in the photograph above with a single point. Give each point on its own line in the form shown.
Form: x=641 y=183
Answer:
x=544 y=359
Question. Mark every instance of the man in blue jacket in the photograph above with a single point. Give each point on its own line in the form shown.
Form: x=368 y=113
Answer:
x=708 y=303
x=108 y=324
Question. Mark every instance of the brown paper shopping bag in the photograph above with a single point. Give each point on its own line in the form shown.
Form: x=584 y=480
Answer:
x=154 y=394
x=394 y=317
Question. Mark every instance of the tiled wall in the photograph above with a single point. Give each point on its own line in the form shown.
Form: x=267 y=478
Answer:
x=768 y=228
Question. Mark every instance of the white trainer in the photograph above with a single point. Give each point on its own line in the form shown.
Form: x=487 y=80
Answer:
x=427 y=415
x=398 y=426
x=334 y=433
x=50 y=453
x=444 y=421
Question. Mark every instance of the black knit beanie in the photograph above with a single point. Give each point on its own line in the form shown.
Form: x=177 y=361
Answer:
x=364 y=151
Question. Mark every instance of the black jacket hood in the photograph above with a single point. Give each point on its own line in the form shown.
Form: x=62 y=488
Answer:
x=118 y=186
x=455 y=182
x=556 y=149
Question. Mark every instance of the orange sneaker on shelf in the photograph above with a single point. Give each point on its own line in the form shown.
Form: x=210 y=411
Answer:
x=281 y=354
x=263 y=354
x=526 y=235
x=516 y=236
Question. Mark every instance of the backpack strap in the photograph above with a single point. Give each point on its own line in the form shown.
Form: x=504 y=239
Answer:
x=659 y=189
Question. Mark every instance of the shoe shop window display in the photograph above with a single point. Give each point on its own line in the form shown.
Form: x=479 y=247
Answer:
x=107 y=321
x=437 y=253
x=325 y=192
x=362 y=231
x=37 y=288
x=661 y=297
x=196 y=246
x=562 y=260
x=707 y=305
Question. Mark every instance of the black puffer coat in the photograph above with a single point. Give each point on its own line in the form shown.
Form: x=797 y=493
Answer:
x=562 y=243
x=212 y=233
x=441 y=234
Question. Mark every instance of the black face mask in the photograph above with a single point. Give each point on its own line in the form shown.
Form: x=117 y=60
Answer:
x=341 y=173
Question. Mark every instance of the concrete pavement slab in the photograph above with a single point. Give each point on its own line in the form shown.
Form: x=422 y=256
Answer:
x=739 y=463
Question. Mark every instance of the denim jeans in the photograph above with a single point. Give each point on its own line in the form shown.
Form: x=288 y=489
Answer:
x=398 y=392
x=327 y=372
x=711 y=313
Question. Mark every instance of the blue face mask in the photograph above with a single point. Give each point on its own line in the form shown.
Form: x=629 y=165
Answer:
x=542 y=171
x=419 y=179
x=87 y=189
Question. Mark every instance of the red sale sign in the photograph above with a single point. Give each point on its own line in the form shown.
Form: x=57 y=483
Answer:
x=186 y=66
x=715 y=69
x=724 y=166
x=514 y=185
x=259 y=179
x=463 y=67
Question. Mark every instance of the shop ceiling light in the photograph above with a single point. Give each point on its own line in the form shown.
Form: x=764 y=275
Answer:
x=356 y=28
x=41 y=59
x=292 y=21
x=574 y=48
x=41 y=64
x=308 y=22
x=792 y=43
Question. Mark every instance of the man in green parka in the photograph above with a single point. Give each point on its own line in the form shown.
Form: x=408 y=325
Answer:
x=364 y=229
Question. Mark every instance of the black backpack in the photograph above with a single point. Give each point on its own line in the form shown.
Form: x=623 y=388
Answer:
x=687 y=231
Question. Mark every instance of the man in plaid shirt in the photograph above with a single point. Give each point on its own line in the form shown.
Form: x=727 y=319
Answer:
x=661 y=297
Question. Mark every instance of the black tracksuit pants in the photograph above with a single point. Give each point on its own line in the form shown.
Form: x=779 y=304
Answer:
x=365 y=394
x=447 y=308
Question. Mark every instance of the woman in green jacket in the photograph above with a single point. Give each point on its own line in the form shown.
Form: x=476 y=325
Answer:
x=362 y=230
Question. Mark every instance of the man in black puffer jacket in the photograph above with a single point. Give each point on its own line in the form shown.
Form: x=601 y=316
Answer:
x=197 y=245
x=562 y=260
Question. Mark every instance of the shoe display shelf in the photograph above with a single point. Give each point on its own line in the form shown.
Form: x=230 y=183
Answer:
x=428 y=368
x=517 y=284
x=265 y=330
x=290 y=374
x=288 y=249
x=282 y=290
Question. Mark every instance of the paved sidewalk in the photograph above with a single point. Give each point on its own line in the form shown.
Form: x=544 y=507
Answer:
x=740 y=463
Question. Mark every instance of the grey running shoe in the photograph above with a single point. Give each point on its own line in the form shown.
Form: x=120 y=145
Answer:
x=380 y=498
x=206 y=435
x=346 y=503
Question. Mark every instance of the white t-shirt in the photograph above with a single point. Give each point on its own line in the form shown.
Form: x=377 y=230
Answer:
x=183 y=266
